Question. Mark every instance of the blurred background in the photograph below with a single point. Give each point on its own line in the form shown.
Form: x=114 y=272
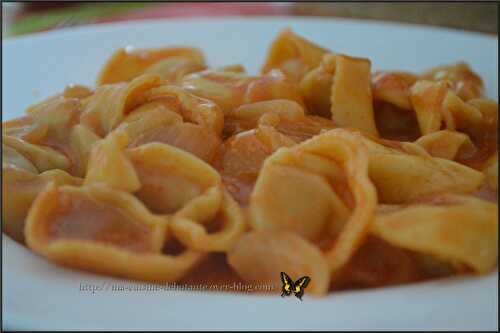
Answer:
x=25 y=18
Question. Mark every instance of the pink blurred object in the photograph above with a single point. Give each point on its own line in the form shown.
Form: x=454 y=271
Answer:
x=206 y=9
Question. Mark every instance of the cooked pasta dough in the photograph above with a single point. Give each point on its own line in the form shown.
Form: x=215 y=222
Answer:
x=319 y=165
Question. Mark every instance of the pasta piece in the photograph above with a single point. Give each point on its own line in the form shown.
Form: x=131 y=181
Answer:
x=108 y=106
x=81 y=141
x=26 y=129
x=19 y=189
x=172 y=70
x=435 y=104
x=191 y=138
x=154 y=122
x=173 y=181
x=489 y=111
x=437 y=96
x=404 y=171
x=293 y=55
x=11 y=158
x=241 y=158
x=447 y=144
x=179 y=119
x=44 y=158
x=464 y=82
x=316 y=87
x=106 y=231
x=192 y=108
x=109 y=164
x=237 y=68
x=260 y=256
x=491 y=172
x=285 y=190
x=63 y=104
x=59 y=115
x=340 y=88
x=351 y=96
x=464 y=114
x=77 y=91
x=51 y=122
x=146 y=117
x=283 y=197
x=286 y=116
x=195 y=236
x=229 y=90
x=127 y=64
x=459 y=229
x=483 y=134
x=393 y=88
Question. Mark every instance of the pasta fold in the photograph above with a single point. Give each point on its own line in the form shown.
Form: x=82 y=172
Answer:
x=241 y=157
x=43 y=158
x=288 y=117
x=229 y=227
x=340 y=88
x=456 y=228
x=107 y=107
x=121 y=238
x=169 y=63
x=260 y=256
x=109 y=164
x=343 y=196
x=175 y=182
x=447 y=144
x=405 y=171
x=293 y=55
x=229 y=90
x=19 y=189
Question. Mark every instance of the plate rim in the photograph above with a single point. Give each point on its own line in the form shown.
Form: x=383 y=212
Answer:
x=120 y=25
x=261 y=18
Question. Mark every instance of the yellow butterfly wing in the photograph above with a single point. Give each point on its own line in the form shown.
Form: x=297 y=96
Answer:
x=300 y=285
x=288 y=285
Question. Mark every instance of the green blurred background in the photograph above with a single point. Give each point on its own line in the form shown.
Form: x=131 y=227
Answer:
x=24 y=18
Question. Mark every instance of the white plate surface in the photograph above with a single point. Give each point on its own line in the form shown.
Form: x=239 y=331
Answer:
x=40 y=295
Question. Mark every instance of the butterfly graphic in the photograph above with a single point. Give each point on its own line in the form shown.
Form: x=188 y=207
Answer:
x=296 y=287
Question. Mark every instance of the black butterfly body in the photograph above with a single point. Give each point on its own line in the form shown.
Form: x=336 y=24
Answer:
x=296 y=287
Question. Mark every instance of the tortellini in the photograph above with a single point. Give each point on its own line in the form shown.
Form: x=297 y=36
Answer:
x=457 y=228
x=172 y=180
x=175 y=117
x=447 y=144
x=103 y=230
x=260 y=256
x=19 y=189
x=287 y=117
x=323 y=181
x=293 y=55
x=109 y=165
x=106 y=108
x=230 y=90
x=241 y=158
x=168 y=63
x=402 y=172
x=340 y=88
x=43 y=157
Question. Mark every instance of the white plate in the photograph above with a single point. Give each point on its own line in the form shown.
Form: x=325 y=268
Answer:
x=40 y=295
